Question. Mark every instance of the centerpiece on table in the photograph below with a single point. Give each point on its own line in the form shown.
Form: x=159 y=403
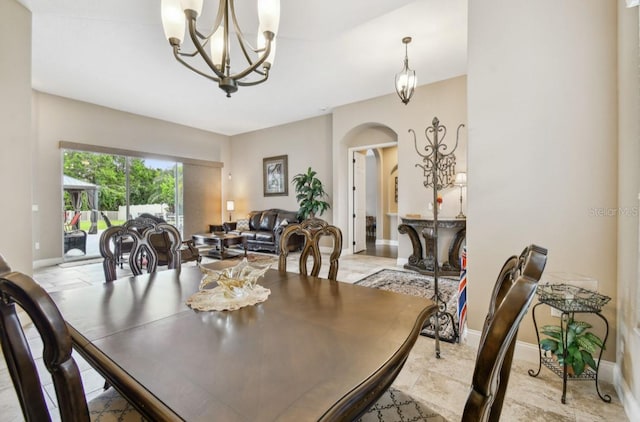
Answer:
x=231 y=288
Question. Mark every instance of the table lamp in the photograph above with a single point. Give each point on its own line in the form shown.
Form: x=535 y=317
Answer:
x=461 y=180
x=231 y=206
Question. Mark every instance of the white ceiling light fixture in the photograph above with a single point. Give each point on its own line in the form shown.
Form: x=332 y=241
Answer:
x=214 y=48
x=406 y=80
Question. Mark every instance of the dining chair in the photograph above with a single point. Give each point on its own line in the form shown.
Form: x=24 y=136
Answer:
x=313 y=229
x=142 y=249
x=20 y=289
x=512 y=295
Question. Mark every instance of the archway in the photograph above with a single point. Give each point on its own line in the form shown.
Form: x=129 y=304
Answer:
x=381 y=139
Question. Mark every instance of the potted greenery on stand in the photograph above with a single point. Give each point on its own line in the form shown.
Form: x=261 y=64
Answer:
x=309 y=194
x=581 y=345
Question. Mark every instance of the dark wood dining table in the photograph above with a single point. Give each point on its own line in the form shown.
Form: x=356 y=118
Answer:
x=314 y=350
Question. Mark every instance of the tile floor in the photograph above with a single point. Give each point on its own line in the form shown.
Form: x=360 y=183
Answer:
x=442 y=383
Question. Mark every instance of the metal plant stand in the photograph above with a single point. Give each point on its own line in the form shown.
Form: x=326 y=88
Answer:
x=570 y=300
x=439 y=169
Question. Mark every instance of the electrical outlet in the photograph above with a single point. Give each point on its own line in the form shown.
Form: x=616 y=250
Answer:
x=37 y=246
x=556 y=313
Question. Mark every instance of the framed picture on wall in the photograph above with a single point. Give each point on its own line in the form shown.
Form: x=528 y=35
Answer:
x=275 y=176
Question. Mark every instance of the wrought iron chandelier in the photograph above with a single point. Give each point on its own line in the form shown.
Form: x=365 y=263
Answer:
x=215 y=49
x=406 y=80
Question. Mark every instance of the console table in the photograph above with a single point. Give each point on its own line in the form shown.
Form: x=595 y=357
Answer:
x=424 y=263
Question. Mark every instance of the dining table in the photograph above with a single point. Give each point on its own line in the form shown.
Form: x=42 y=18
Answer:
x=316 y=349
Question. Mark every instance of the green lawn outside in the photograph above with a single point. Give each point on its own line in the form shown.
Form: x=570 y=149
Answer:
x=84 y=225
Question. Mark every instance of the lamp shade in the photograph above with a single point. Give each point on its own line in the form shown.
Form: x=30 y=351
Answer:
x=406 y=80
x=172 y=19
x=269 y=15
x=217 y=46
x=195 y=5
x=461 y=179
x=231 y=206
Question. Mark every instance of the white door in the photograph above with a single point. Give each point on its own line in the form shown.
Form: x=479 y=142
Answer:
x=359 y=201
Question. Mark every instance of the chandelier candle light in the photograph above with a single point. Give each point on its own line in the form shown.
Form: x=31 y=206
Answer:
x=406 y=80
x=214 y=48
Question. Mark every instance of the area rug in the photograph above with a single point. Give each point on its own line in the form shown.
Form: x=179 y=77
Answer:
x=412 y=283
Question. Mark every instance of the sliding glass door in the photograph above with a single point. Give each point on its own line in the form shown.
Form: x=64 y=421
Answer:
x=104 y=189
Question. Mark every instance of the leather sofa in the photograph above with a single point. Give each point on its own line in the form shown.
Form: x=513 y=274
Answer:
x=264 y=229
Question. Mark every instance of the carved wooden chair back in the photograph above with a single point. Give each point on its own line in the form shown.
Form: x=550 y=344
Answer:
x=512 y=295
x=140 y=234
x=106 y=219
x=4 y=267
x=21 y=289
x=313 y=229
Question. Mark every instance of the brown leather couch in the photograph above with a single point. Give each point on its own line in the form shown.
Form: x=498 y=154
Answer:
x=264 y=230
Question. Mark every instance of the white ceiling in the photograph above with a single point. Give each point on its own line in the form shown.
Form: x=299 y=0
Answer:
x=329 y=53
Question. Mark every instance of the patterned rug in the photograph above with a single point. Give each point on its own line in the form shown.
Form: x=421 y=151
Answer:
x=412 y=283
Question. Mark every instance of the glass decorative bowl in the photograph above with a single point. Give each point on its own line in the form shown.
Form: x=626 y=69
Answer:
x=236 y=281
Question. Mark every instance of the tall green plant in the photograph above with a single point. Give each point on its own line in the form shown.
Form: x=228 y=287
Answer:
x=581 y=345
x=309 y=194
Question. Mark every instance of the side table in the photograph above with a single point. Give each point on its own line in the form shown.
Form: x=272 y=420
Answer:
x=570 y=300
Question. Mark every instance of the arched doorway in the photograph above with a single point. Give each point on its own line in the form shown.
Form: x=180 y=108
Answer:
x=372 y=146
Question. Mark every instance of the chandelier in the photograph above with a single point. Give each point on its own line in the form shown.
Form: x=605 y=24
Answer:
x=213 y=47
x=406 y=80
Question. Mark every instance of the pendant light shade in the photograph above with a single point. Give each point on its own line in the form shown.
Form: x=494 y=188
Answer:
x=406 y=80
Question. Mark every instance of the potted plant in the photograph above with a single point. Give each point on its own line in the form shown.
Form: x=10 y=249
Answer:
x=309 y=194
x=581 y=345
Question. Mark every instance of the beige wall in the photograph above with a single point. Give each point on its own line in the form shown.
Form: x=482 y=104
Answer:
x=542 y=142
x=307 y=143
x=446 y=99
x=62 y=119
x=628 y=189
x=15 y=136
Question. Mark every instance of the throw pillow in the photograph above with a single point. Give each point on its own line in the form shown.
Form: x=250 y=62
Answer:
x=243 y=225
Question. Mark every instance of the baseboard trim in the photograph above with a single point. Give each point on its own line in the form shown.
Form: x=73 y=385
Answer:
x=530 y=353
x=46 y=262
x=629 y=402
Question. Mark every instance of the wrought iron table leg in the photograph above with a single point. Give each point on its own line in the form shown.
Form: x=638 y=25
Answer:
x=535 y=325
x=606 y=398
